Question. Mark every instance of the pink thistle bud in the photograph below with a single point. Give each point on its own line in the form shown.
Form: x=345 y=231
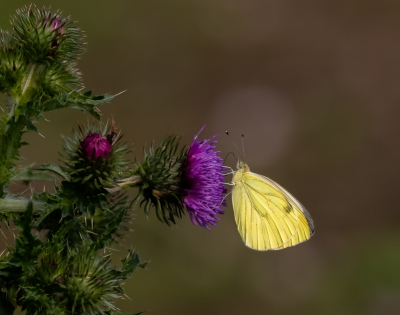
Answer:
x=95 y=146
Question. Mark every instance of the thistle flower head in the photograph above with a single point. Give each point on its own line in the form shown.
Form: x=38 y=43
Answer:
x=57 y=78
x=191 y=179
x=94 y=160
x=45 y=36
x=95 y=146
x=203 y=177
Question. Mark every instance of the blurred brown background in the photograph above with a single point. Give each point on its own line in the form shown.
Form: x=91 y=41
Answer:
x=314 y=86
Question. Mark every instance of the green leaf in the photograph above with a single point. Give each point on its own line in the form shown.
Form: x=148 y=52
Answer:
x=83 y=101
x=106 y=237
x=87 y=178
x=26 y=175
x=31 y=126
x=129 y=264
x=37 y=172
x=27 y=246
x=57 y=243
x=17 y=113
x=52 y=168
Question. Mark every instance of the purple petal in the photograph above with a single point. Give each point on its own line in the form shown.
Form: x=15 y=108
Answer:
x=204 y=177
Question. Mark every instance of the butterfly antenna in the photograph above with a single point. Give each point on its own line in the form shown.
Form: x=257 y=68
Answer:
x=243 y=145
x=230 y=154
x=227 y=133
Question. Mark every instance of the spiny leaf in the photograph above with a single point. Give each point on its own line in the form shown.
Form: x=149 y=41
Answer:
x=129 y=264
x=27 y=246
x=82 y=101
x=26 y=175
x=31 y=126
x=56 y=243
x=52 y=168
x=111 y=228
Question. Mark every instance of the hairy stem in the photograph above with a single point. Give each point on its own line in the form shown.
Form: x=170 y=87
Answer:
x=28 y=80
x=10 y=141
x=11 y=131
x=126 y=183
x=16 y=205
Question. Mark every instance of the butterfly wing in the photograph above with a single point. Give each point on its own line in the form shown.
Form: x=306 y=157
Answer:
x=268 y=216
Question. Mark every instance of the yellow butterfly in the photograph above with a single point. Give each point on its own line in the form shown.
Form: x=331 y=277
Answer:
x=268 y=217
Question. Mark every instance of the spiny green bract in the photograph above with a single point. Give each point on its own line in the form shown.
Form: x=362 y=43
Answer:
x=90 y=179
x=46 y=36
x=65 y=222
x=161 y=180
x=12 y=62
x=58 y=77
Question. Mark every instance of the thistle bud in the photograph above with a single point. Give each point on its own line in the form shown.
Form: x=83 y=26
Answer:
x=45 y=36
x=55 y=23
x=94 y=160
x=57 y=78
x=95 y=147
x=12 y=62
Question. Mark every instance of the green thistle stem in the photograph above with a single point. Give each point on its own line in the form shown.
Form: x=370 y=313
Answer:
x=131 y=181
x=11 y=132
x=15 y=205
x=9 y=150
x=31 y=70
x=27 y=82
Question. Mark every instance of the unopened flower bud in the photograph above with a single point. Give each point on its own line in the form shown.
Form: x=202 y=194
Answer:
x=94 y=165
x=46 y=36
x=95 y=146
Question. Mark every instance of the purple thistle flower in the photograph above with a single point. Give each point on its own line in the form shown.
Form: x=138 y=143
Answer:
x=95 y=146
x=203 y=175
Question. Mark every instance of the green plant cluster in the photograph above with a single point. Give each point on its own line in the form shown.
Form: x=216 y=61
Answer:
x=60 y=263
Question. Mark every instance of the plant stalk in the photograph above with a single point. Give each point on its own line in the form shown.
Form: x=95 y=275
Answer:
x=17 y=205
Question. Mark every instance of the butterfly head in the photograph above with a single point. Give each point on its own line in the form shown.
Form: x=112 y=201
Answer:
x=240 y=165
